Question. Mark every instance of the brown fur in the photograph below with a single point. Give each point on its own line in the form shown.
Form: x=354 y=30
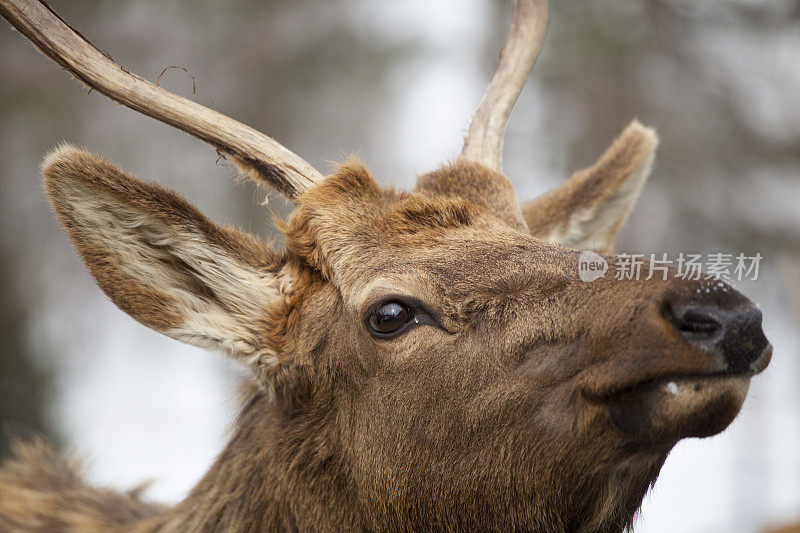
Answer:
x=793 y=528
x=41 y=491
x=478 y=184
x=492 y=414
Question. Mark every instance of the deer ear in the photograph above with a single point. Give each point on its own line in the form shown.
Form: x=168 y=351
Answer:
x=162 y=262
x=587 y=210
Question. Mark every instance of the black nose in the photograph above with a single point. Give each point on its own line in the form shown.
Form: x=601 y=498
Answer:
x=727 y=327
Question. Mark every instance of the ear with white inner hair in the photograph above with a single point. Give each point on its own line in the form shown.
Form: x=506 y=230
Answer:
x=587 y=210
x=164 y=263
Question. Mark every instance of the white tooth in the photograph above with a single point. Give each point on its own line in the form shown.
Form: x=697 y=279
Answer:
x=671 y=387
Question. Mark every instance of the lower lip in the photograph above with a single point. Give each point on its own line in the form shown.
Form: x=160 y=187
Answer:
x=675 y=408
x=685 y=386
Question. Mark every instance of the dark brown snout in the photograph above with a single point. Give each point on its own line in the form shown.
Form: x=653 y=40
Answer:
x=693 y=367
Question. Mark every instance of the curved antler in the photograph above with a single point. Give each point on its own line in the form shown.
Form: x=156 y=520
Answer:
x=484 y=142
x=256 y=155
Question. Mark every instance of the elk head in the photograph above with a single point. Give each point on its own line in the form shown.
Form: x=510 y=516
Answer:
x=433 y=355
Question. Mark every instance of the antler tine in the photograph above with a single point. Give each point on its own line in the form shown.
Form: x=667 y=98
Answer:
x=257 y=155
x=484 y=141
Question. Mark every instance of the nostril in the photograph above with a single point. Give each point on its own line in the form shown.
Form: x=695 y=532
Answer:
x=730 y=329
x=697 y=322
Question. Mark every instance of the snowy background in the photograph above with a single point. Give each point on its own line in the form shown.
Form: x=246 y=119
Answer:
x=396 y=83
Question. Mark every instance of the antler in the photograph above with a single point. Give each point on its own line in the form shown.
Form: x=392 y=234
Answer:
x=257 y=155
x=484 y=142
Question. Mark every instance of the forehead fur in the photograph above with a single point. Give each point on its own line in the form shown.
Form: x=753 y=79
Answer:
x=349 y=220
x=480 y=185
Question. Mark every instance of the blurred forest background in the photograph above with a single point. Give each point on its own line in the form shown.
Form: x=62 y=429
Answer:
x=396 y=83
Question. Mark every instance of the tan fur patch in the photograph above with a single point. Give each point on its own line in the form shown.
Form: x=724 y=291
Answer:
x=478 y=184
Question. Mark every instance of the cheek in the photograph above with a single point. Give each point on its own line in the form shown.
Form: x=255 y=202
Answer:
x=533 y=413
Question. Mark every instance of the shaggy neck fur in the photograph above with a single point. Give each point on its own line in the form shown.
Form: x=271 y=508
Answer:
x=286 y=471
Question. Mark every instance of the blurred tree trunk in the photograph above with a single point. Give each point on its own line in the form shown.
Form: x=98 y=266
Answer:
x=24 y=385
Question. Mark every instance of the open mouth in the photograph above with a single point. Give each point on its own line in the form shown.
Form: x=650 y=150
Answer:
x=678 y=406
x=678 y=386
x=634 y=379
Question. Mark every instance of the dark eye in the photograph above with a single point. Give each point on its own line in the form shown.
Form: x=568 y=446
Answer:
x=389 y=317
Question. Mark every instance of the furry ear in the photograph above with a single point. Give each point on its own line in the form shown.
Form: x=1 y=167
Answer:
x=587 y=210
x=162 y=262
